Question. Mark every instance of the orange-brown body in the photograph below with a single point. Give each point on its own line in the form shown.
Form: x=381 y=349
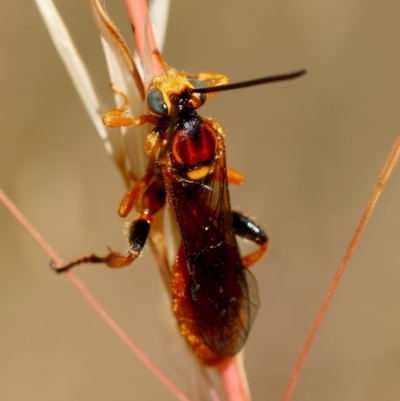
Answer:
x=214 y=296
x=184 y=314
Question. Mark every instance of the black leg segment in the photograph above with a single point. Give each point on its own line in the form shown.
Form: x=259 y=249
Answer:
x=138 y=232
x=246 y=228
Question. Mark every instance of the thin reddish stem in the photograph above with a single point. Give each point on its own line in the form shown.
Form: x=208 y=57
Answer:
x=92 y=300
x=138 y=15
x=386 y=172
x=234 y=380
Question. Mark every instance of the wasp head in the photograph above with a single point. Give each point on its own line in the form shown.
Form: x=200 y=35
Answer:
x=171 y=89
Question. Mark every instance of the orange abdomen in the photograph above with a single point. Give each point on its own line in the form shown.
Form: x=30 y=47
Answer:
x=183 y=311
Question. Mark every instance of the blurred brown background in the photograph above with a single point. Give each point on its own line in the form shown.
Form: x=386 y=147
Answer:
x=311 y=151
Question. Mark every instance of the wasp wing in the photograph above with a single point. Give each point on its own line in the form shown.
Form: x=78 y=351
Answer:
x=223 y=293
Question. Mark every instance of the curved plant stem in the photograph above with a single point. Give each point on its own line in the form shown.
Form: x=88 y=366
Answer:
x=92 y=300
x=386 y=172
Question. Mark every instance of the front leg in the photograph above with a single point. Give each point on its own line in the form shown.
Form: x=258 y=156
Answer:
x=117 y=117
x=246 y=228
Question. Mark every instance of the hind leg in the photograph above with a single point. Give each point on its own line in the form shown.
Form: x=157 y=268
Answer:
x=152 y=201
x=248 y=229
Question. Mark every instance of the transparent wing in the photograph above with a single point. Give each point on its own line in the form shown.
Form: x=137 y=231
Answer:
x=223 y=305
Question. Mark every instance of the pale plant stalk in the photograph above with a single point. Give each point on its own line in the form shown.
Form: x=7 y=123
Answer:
x=125 y=146
x=82 y=81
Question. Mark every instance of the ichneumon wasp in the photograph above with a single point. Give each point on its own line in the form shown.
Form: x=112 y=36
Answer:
x=214 y=296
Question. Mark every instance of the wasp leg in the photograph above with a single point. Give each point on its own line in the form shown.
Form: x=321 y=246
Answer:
x=234 y=176
x=137 y=235
x=246 y=228
x=113 y=259
x=117 y=118
x=152 y=201
x=133 y=195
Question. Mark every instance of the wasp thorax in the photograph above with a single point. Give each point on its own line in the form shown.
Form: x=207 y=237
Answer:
x=194 y=146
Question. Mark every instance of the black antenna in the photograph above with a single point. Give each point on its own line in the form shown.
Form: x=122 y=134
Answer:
x=253 y=82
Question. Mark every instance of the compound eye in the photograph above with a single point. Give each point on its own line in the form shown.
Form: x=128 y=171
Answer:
x=156 y=102
x=198 y=85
